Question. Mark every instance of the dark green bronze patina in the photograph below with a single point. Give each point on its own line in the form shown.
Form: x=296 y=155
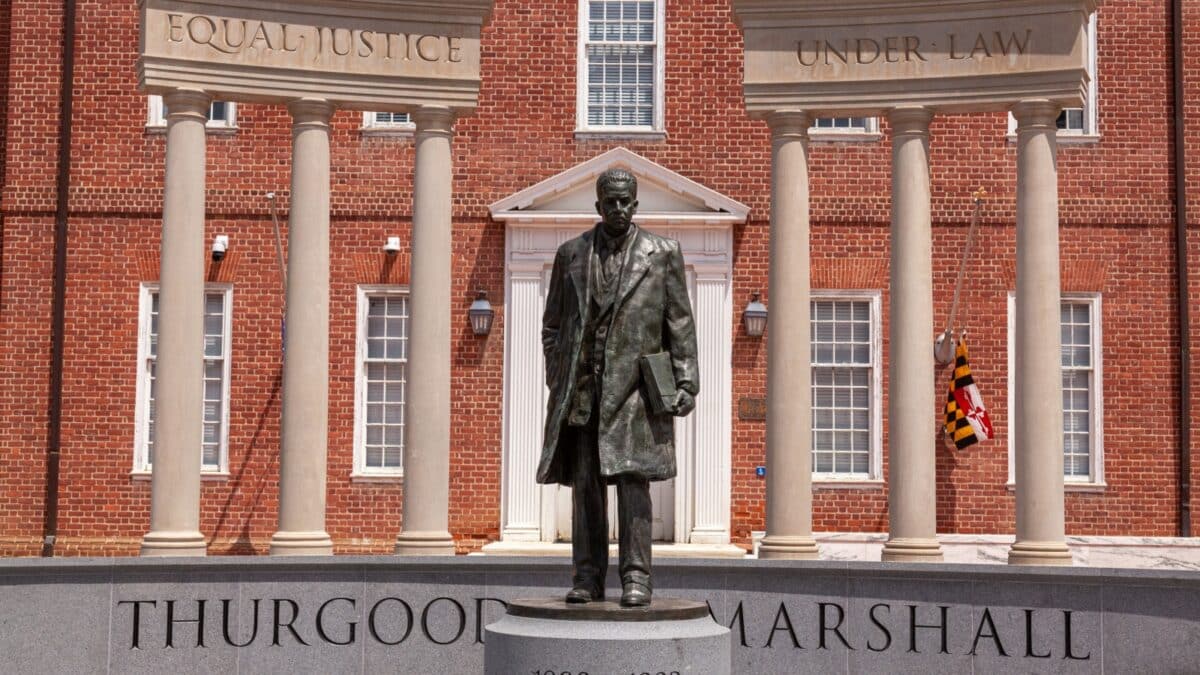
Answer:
x=617 y=293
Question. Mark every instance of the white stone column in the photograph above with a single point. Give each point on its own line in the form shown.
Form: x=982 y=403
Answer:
x=305 y=426
x=179 y=370
x=1038 y=433
x=789 y=358
x=912 y=480
x=426 y=525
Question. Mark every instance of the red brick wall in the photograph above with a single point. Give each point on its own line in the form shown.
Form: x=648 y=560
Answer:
x=1116 y=239
x=1191 y=98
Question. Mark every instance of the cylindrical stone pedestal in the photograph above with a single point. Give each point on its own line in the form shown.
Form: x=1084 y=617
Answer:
x=603 y=638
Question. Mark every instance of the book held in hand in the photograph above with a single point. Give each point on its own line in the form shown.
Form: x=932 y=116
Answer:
x=659 y=377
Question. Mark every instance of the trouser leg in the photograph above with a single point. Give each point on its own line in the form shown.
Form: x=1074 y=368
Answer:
x=589 y=524
x=634 y=512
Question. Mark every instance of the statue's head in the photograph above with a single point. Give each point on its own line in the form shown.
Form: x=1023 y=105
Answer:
x=616 y=200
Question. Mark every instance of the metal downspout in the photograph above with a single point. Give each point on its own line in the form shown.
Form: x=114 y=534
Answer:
x=59 y=300
x=1181 y=255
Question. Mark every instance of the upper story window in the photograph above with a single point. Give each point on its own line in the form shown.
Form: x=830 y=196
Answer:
x=221 y=114
x=844 y=129
x=620 y=75
x=1078 y=124
x=382 y=381
x=387 y=123
x=215 y=441
x=846 y=386
x=1082 y=385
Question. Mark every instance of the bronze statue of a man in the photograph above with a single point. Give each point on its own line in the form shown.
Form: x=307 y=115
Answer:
x=618 y=295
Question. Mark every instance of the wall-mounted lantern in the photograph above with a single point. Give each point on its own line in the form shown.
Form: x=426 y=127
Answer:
x=755 y=316
x=481 y=314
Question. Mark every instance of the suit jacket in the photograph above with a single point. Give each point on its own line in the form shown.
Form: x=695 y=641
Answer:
x=651 y=314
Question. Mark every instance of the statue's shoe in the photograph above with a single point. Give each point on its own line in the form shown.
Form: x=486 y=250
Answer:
x=635 y=595
x=584 y=594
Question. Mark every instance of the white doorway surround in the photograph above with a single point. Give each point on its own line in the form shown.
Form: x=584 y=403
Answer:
x=692 y=512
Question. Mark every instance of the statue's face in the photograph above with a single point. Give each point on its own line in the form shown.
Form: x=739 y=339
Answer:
x=616 y=206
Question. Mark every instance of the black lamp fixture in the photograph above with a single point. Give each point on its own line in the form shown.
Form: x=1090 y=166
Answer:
x=481 y=314
x=755 y=316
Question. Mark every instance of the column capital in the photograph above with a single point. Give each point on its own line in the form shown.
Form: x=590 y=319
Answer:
x=1038 y=114
x=433 y=119
x=185 y=104
x=789 y=124
x=910 y=120
x=311 y=112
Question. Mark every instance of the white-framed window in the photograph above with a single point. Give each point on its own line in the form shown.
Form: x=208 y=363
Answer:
x=381 y=381
x=218 y=304
x=387 y=122
x=221 y=114
x=620 y=71
x=1078 y=124
x=1082 y=389
x=844 y=128
x=846 y=385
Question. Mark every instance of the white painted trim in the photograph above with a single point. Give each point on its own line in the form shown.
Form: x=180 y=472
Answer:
x=700 y=516
x=846 y=135
x=582 y=128
x=1095 y=482
x=513 y=207
x=1091 y=106
x=155 y=120
x=875 y=473
x=141 y=421
x=360 y=473
x=372 y=127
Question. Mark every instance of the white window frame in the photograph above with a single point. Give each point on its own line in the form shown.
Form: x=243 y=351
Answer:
x=1095 y=481
x=360 y=471
x=141 y=420
x=371 y=126
x=874 y=476
x=156 y=121
x=582 y=128
x=846 y=134
x=1091 y=106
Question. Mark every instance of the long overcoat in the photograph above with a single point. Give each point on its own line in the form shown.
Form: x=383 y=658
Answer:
x=651 y=313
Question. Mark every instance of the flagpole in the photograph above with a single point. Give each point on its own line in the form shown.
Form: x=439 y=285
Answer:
x=944 y=347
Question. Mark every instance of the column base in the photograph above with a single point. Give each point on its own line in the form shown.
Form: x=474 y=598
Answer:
x=1039 y=553
x=785 y=547
x=301 y=543
x=424 y=543
x=176 y=544
x=905 y=549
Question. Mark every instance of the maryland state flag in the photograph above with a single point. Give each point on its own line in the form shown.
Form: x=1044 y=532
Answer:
x=967 y=420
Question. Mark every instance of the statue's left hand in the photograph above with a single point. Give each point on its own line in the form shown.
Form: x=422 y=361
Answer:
x=684 y=403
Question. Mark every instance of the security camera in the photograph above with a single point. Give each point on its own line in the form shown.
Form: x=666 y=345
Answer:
x=219 y=247
x=392 y=247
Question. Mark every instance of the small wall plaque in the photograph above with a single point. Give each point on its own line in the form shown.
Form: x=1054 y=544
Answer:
x=752 y=409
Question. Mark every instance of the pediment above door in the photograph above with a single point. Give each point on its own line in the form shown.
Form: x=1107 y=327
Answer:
x=666 y=198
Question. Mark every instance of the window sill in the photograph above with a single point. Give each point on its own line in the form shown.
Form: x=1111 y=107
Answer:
x=1071 y=487
x=847 y=483
x=619 y=134
x=161 y=130
x=206 y=476
x=387 y=132
x=1068 y=139
x=844 y=136
x=377 y=479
